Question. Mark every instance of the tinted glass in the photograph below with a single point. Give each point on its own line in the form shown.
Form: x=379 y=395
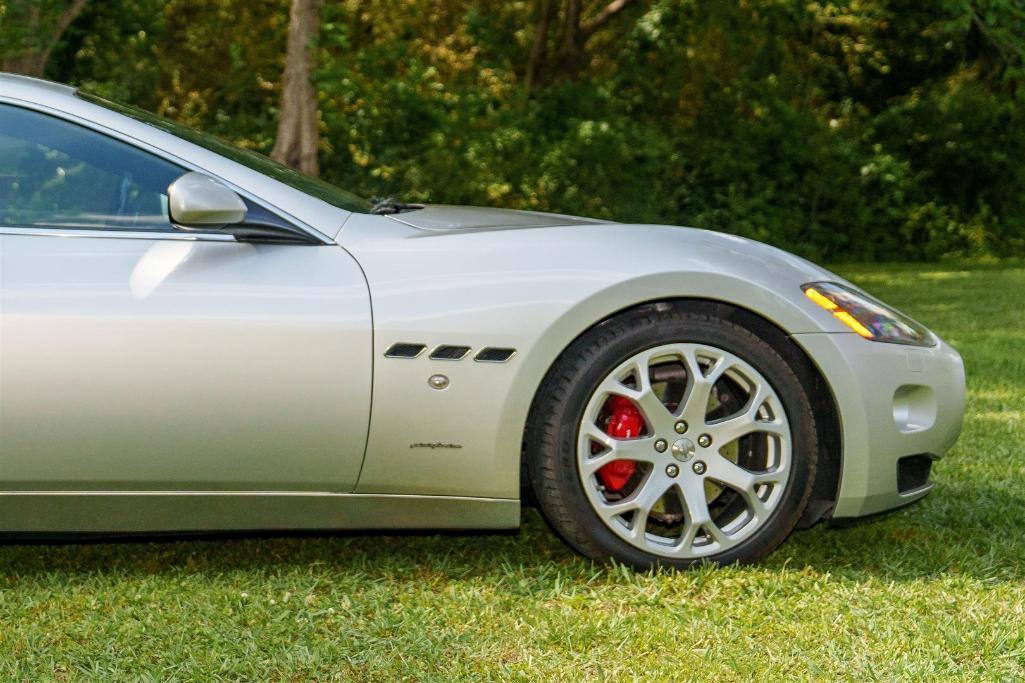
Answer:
x=56 y=174
x=254 y=160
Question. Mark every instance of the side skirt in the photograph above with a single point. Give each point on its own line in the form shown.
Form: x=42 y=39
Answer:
x=159 y=511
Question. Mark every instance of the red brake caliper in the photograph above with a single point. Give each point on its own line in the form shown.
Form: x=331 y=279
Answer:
x=625 y=422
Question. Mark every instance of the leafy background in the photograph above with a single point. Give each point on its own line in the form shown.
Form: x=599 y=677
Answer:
x=844 y=130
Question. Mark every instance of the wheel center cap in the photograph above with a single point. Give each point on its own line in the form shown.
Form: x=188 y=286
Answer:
x=683 y=449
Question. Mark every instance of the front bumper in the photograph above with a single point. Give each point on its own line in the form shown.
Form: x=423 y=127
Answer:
x=894 y=402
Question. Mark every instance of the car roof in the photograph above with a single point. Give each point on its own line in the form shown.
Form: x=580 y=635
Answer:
x=14 y=85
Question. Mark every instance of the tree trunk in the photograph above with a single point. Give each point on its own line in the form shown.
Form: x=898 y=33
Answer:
x=570 y=50
x=298 y=137
x=570 y=40
x=539 y=50
x=31 y=60
x=28 y=63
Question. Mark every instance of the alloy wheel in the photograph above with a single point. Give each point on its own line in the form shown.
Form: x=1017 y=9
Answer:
x=704 y=459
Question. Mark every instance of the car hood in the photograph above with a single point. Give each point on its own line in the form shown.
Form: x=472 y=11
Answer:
x=469 y=222
x=439 y=217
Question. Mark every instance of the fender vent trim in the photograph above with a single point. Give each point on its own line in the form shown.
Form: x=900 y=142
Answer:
x=494 y=354
x=404 y=350
x=449 y=352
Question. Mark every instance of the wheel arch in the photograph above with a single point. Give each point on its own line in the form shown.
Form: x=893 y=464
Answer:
x=824 y=489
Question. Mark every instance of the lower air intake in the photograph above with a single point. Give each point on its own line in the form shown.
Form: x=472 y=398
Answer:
x=913 y=472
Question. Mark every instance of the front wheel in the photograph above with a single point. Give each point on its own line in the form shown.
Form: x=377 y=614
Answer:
x=670 y=437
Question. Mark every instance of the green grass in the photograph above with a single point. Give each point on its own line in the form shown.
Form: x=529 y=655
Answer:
x=935 y=590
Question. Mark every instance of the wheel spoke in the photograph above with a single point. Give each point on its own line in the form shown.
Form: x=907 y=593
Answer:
x=757 y=399
x=698 y=518
x=745 y=482
x=717 y=534
x=695 y=503
x=686 y=544
x=694 y=407
x=590 y=433
x=593 y=464
x=748 y=421
x=640 y=450
x=733 y=428
x=652 y=492
x=690 y=534
x=655 y=412
x=642 y=500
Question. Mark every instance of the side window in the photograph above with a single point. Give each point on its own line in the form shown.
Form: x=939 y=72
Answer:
x=57 y=174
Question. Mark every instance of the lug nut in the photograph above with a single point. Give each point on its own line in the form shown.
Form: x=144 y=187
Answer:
x=661 y=445
x=672 y=470
x=699 y=467
x=681 y=427
x=704 y=441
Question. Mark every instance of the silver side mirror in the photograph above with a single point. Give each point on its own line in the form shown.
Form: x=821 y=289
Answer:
x=197 y=200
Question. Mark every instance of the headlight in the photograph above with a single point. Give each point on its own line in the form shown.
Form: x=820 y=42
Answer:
x=868 y=317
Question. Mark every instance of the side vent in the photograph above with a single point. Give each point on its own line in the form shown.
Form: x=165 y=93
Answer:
x=446 y=352
x=494 y=354
x=404 y=350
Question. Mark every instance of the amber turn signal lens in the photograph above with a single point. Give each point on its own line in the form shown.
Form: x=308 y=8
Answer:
x=841 y=315
x=868 y=317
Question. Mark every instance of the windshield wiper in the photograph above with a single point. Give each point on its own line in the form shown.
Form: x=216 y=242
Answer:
x=384 y=206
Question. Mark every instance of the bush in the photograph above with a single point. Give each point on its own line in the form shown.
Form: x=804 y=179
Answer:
x=842 y=130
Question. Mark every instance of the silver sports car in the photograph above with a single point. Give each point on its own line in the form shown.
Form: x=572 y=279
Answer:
x=195 y=338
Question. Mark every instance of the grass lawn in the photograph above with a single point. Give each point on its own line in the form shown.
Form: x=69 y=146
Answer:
x=935 y=590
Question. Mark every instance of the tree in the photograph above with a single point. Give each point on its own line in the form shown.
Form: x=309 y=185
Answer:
x=28 y=41
x=298 y=137
x=576 y=28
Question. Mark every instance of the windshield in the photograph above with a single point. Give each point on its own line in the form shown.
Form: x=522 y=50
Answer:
x=254 y=160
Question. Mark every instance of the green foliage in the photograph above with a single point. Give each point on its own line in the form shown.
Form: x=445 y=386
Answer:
x=841 y=129
x=25 y=24
x=211 y=64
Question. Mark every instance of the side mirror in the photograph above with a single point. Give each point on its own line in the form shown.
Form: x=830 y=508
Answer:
x=198 y=201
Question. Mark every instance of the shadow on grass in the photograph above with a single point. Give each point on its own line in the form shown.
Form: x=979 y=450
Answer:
x=968 y=530
x=373 y=554
x=972 y=530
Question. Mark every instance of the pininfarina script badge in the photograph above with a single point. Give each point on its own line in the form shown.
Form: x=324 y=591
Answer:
x=435 y=445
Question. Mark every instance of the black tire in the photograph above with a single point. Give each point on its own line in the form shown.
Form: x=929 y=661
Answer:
x=552 y=430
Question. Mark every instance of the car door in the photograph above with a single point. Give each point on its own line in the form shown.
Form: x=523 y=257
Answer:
x=136 y=357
